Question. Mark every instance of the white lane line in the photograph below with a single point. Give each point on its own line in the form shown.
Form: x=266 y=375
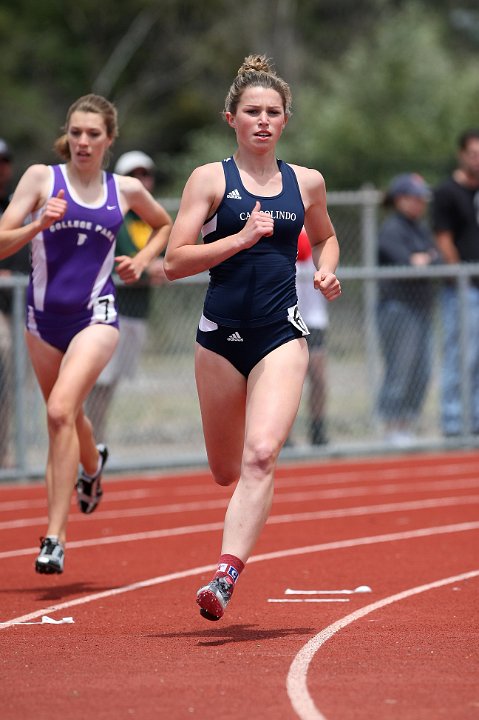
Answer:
x=359 y=589
x=308 y=593
x=326 y=474
x=41 y=502
x=272 y=520
x=133 y=494
x=459 y=470
x=390 y=489
x=296 y=682
x=374 y=509
x=338 y=475
x=278 y=554
x=306 y=600
x=46 y=620
x=108 y=594
x=131 y=512
x=465 y=479
x=223 y=502
x=131 y=537
x=369 y=540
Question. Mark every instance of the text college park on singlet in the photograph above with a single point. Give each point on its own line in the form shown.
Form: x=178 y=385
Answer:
x=83 y=225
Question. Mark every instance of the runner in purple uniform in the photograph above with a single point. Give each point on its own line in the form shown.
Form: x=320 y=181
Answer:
x=251 y=354
x=71 y=213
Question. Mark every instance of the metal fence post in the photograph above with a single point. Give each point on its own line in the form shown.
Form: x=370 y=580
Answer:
x=19 y=375
x=369 y=231
x=466 y=365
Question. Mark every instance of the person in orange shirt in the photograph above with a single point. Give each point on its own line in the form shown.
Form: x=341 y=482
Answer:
x=313 y=309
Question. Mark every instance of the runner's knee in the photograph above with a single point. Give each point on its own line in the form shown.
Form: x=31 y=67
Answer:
x=59 y=414
x=224 y=473
x=260 y=457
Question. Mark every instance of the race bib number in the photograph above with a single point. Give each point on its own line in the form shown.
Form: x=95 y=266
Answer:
x=104 y=309
x=294 y=317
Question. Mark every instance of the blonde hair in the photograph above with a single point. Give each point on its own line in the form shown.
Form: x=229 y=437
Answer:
x=90 y=104
x=257 y=71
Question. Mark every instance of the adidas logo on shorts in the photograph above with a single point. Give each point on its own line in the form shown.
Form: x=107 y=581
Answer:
x=235 y=337
x=234 y=195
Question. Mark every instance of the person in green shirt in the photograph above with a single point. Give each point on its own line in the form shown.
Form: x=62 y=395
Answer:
x=133 y=300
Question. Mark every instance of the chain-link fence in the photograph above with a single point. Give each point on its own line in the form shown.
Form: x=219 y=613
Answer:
x=154 y=419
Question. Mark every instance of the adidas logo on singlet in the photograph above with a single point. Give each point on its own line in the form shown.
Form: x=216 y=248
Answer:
x=234 y=195
x=235 y=337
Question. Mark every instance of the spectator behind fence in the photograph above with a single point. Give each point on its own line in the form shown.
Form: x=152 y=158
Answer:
x=18 y=263
x=313 y=309
x=404 y=312
x=71 y=214
x=133 y=300
x=455 y=220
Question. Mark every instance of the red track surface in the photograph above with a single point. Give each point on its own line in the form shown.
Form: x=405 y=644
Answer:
x=407 y=527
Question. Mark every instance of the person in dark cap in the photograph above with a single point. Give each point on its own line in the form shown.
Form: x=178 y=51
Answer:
x=404 y=307
x=5 y=152
x=6 y=171
x=455 y=221
x=19 y=263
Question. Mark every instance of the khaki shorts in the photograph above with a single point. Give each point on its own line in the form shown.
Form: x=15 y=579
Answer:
x=125 y=359
x=5 y=333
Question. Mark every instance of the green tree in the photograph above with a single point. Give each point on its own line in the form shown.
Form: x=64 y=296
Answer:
x=377 y=84
x=395 y=101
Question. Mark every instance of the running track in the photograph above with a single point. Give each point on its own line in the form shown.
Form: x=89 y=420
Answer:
x=407 y=527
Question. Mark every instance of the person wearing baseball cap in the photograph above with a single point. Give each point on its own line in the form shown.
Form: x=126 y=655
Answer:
x=6 y=170
x=133 y=300
x=408 y=185
x=131 y=162
x=404 y=308
x=5 y=152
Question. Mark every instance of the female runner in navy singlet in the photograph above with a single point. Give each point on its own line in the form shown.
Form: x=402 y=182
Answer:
x=251 y=355
x=71 y=213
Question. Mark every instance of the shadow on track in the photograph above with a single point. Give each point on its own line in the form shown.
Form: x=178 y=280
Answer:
x=57 y=592
x=216 y=636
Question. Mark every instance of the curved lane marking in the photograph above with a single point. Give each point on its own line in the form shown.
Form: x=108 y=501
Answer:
x=354 y=542
x=296 y=682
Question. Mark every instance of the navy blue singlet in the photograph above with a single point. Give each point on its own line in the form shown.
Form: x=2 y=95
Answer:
x=256 y=286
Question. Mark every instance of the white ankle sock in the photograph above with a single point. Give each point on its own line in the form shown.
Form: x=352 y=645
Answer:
x=96 y=471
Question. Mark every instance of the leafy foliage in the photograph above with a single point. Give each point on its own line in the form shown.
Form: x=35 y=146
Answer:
x=379 y=86
x=395 y=103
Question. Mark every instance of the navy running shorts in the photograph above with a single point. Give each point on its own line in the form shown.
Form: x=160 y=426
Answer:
x=245 y=347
